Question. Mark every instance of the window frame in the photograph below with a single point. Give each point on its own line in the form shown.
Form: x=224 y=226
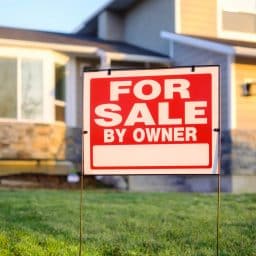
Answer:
x=60 y=102
x=48 y=59
x=9 y=58
x=19 y=118
x=229 y=34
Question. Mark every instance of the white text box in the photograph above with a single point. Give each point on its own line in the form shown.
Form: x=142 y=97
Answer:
x=155 y=155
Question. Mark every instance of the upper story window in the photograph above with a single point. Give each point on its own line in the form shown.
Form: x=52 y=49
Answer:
x=21 y=88
x=238 y=16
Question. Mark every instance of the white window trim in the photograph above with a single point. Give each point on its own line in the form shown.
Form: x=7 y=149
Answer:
x=227 y=34
x=61 y=60
x=177 y=18
x=233 y=92
x=231 y=7
x=60 y=103
x=19 y=88
x=71 y=92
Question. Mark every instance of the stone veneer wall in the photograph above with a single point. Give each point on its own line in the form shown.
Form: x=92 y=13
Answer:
x=226 y=152
x=244 y=152
x=27 y=141
x=74 y=145
x=24 y=141
x=238 y=152
x=238 y=157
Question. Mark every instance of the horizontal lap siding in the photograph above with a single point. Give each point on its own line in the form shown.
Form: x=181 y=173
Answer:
x=245 y=70
x=186 y=56
x=198 y=17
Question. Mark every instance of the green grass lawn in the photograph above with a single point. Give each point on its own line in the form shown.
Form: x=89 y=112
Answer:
x=46 y=222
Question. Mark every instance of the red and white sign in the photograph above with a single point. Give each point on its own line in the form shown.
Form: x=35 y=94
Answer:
x=151 y=121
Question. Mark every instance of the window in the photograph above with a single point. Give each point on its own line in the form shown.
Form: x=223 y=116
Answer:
x=21 y=88
x=60 y=83
x=246 y=6
x=32 y=89
x=8 y=88
x=239 y=16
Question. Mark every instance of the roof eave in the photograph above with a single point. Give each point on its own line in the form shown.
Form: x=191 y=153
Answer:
x=198 y=43
x=86 y=50
x=138 y=58
x=68 y=48
x=245 y=51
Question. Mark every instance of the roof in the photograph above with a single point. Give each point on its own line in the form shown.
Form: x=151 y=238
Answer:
x=74 y=40
x=90 y=25
x=229 y=42
x=237 y=47
x=220 y=45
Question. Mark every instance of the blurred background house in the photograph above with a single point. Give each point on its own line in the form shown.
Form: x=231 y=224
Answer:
x=41 y=95
x=41 y=81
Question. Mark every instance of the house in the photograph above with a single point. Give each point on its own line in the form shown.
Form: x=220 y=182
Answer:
x=41 y=94
x=197 y=32
x=41 y=81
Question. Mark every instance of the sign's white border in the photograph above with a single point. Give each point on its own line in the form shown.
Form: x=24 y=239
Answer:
x=86 y=154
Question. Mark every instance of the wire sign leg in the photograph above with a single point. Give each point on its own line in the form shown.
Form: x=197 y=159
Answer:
x=218 y=216
x=81 y=214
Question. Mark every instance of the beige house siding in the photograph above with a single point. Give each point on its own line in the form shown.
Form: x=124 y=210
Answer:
x=198 y=17
x=245 y=71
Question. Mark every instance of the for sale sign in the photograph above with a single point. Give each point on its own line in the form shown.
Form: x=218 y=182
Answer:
x=163 y=121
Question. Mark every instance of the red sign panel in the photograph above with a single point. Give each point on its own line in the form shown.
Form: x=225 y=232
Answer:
x=151 y=121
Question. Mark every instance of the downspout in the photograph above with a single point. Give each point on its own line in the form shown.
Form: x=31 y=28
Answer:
x=105 y=59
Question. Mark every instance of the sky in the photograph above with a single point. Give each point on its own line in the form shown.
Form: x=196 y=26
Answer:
x=67 y=15
x=50 y=15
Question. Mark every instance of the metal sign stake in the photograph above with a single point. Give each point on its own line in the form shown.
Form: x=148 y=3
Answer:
x=218 y=214
x=81 y=199
x=81 y=214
